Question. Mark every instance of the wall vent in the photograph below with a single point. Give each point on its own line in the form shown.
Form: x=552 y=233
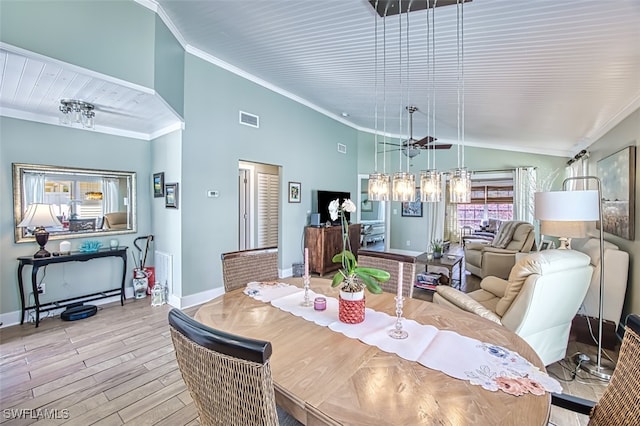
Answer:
x=342 y=148
x=249 y=119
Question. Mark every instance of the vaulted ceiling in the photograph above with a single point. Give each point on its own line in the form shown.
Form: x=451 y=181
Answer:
x=542 y=76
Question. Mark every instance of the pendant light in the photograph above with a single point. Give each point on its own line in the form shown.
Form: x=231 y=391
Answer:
x=378 y=187
x=404 y=183
x=431 y=179
x=460 y=183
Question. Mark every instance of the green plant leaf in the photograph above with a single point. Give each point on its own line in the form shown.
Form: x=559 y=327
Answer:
x=369 y=282
x=377 y=274
x=337 y=279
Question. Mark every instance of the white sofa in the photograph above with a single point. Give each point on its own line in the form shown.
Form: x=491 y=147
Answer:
x=537 y=302
x=616 y=271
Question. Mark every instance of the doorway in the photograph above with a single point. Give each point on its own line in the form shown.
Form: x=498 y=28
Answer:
x=259 y=203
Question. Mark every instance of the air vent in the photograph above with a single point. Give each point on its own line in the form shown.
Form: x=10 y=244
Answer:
x=342 y=148
x=249 y=119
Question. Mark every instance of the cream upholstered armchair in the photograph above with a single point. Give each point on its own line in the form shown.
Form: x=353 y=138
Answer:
x=537 y=302
x=496 y=258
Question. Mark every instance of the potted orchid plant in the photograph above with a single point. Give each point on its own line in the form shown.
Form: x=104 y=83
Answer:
x=352 y=278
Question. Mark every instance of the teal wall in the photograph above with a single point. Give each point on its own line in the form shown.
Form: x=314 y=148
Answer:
x=299 y=140
x=28 y=142
x=169 y=67
x=111 y=37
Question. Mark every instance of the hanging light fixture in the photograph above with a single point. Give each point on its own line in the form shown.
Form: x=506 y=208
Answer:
x=460 y=182
x=77 y=112
x=404 y=183
x=431 y=179
x=378 y=187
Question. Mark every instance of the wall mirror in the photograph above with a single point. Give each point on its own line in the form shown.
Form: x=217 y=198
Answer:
x=87 y=202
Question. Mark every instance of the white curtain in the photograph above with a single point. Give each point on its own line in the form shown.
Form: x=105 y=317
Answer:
x=110 y=195
x=576 y=169
x=33 y=188
x=524 y=188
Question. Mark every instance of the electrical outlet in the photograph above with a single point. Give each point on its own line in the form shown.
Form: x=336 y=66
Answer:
x=408 y=243
x=42 y=288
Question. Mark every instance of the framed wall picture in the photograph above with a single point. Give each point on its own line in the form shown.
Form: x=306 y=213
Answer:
x=171 y=195
x=294 y=192
x=617 y=173
x=545 y=245
x=366 y=205
x=158 y=185
x=412 y=208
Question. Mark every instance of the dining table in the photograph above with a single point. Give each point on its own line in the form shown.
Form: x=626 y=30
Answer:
x=322 y=377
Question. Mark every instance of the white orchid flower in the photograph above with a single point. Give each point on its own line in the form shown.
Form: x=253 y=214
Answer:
x=348 y=206
x=333 y=209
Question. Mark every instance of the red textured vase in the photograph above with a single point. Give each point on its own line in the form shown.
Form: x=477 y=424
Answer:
x=351 y=311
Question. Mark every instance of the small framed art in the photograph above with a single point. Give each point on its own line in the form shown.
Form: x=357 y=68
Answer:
x=413 y=208
x=171 y=195
x=158 y=185
x=294 y=192
x=545 y=245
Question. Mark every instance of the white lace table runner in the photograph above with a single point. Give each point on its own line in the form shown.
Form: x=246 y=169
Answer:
x=490 y=366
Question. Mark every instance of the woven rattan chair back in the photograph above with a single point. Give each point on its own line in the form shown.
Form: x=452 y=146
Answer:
x=242 y=267
x=228 y=376
x=390 y=262
x=620 y=402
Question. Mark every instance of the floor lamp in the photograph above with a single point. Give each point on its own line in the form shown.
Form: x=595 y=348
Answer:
x=579 y=206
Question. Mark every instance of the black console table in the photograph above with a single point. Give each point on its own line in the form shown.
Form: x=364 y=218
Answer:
x=36 y=263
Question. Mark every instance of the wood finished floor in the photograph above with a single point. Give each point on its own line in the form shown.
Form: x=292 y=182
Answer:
x=118 y=367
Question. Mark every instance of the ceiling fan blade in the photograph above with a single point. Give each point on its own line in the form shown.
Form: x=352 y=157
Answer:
x=425 y=141
x=439 y=146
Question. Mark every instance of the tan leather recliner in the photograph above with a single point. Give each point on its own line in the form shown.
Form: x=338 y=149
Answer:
x=537 y=302
x=496 y=258
x=115 y=220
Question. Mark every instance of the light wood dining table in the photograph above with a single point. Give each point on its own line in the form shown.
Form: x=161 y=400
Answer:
x=322 y=377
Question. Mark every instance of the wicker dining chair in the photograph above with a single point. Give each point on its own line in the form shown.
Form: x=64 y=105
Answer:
x=390 y=262
x=242 y=267
x=228 y=376
x=620 y=402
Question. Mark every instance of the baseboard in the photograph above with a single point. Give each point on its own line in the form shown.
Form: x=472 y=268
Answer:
x=580 y=331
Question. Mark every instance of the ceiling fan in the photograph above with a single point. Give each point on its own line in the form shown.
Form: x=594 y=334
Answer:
x=412 y=147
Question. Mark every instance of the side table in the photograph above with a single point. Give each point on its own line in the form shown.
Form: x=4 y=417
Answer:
x=36 y=263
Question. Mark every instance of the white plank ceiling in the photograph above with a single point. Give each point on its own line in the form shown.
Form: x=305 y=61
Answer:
x=542 y=76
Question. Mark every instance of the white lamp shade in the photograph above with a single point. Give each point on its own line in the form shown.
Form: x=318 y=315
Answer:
x=39 y=215
x=571 y=206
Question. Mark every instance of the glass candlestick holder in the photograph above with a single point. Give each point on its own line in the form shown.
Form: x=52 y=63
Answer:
x=307 y=302
x=397 y=332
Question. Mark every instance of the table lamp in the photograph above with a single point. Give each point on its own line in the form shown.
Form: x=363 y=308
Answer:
x=577 y=206
x=39 y=216
x=564 y=230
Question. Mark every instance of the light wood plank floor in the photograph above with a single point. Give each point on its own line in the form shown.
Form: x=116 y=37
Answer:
x=118 y=367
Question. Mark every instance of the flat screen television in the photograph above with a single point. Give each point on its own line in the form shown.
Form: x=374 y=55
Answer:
x=321 y=201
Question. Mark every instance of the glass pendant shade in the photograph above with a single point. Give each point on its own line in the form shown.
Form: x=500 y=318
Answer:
x=460 y=186
x=430 y=186
x=404 y=187
x=379 y=187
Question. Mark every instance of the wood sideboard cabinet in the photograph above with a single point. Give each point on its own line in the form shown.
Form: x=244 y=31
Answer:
x=325 y=242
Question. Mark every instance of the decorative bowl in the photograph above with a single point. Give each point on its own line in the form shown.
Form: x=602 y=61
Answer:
x=90 y=246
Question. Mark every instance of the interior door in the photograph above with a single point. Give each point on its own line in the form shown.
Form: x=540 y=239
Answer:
x=244 y=211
